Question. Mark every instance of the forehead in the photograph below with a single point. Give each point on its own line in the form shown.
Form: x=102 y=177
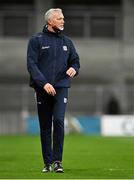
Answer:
x=57 y=14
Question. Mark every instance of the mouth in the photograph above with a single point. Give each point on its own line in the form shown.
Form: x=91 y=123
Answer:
x=62 y=26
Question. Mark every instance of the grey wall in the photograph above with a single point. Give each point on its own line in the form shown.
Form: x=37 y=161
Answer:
x=103 y=59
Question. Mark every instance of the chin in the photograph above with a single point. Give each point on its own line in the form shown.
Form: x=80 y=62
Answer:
x=61 y=28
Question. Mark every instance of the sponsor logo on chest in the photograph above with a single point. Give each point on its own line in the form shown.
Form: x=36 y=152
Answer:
x=45 y=47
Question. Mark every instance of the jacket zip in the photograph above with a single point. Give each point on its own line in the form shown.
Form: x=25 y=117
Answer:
x=54 y=63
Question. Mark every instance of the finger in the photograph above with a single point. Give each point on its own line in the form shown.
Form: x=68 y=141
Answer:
x=52 y=91
x=71 y=73
x=49 y=90
x=67 y=73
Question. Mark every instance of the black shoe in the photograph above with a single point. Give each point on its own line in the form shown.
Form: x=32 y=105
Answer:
x=47 y=168
x=58 y=167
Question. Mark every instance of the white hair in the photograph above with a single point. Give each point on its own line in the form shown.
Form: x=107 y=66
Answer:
x=50 y=12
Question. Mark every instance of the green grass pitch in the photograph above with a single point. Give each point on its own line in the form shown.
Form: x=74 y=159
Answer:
x=91 y=157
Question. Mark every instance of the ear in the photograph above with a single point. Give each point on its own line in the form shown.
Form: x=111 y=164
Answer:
x=49 y=22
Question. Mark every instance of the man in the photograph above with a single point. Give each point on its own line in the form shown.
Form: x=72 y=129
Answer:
x=52 y=61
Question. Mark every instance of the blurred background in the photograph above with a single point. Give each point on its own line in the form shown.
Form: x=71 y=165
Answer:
x=103 y=33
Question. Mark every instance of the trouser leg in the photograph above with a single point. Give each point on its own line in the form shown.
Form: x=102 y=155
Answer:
x=45 y=107
x=58 y=122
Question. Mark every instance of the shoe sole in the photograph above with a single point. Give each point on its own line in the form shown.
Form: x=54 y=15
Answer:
x=59 y=171
x=47 y=171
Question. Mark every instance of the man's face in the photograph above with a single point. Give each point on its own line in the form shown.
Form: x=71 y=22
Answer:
x=57 y=20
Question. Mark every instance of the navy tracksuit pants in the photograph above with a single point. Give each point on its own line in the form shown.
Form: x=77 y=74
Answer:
x=51 y=112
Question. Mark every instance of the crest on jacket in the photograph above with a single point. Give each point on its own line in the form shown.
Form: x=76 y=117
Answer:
x=65 y=48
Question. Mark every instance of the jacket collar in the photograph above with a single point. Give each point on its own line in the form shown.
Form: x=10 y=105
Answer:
x=45 y=30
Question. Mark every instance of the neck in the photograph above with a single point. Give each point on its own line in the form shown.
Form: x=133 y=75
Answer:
x=50 y=28
x=53 y=29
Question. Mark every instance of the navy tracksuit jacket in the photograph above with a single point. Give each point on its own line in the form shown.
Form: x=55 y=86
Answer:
x=49 y=55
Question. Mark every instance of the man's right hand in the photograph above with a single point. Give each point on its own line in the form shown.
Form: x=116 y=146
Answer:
x=49 y=89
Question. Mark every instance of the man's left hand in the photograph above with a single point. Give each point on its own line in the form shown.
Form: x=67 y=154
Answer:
x=71 y=72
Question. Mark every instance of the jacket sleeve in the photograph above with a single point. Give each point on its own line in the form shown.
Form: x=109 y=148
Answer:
x=32 y=62
x=74 y=60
